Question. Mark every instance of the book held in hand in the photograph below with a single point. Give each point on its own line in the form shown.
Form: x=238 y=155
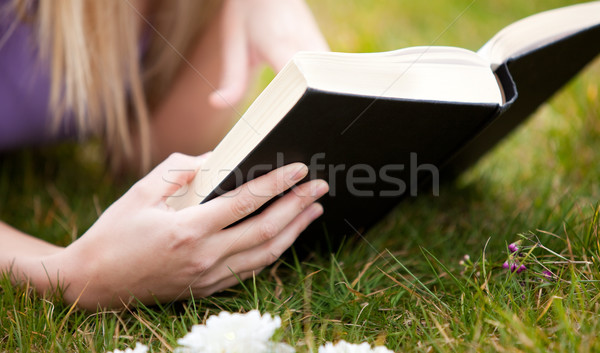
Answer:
x=380 y=127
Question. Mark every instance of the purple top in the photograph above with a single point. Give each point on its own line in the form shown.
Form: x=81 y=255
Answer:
x=24 y=89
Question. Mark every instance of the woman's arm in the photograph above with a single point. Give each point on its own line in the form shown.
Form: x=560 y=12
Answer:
x=141 y=249
x=18 y=250
x=19 y=254
x=16 y=243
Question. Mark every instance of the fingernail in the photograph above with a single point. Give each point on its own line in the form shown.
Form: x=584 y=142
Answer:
x=316 y=210
x=297 y=171
x=320 y=188
x=203 y=157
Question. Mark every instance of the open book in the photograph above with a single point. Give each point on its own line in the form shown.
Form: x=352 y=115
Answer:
x=383 y=126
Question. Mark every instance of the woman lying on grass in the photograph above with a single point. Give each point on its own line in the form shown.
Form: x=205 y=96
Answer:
x=140 y=74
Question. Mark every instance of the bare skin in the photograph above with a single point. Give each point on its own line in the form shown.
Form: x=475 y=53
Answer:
x=142 y=249
x=202 y=105
x=158 y=254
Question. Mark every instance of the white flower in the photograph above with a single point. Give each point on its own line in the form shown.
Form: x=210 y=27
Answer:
x=234 y=333
x=345 y=347
x=139 y=348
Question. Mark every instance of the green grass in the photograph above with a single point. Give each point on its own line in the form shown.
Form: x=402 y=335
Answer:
x=402 y=285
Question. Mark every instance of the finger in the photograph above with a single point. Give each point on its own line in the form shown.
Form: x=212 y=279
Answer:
x=290 y=40
x=312 y=37
x=227 y=282
x=244 y=264
x=267 y=225
x=234 y=75
x=278 y=56
x=268 y=252
x=173 y=174
x=224 y=210
x=271 y=250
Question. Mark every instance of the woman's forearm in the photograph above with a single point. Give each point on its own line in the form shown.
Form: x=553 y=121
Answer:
x=23 y=256
x=15 y=244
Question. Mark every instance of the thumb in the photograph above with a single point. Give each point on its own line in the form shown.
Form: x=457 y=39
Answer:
x=234 y=51
x=171 y=176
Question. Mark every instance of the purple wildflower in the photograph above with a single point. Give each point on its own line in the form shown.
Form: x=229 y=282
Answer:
x=549 y=275
x=513 y=267
x=513 y=248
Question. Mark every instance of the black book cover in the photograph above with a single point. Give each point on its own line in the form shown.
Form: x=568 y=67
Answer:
x=376 y=151
x=372 y=151
x=537 y=75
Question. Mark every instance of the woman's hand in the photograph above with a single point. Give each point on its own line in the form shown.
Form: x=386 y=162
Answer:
x=256 y=31
x=141 y=248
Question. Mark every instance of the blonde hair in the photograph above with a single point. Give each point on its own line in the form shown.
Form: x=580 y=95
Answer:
x=96 y=69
